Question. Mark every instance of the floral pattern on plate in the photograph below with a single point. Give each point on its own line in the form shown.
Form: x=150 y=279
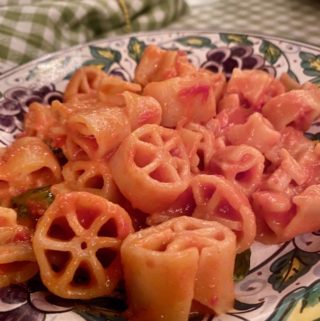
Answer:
x=283 y=283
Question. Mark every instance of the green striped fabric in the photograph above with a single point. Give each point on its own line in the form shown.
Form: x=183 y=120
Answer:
x=31 y=28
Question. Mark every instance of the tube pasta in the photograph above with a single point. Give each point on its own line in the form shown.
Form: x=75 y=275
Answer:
x=77 y=243
x=182 y=257
x=39 y=168
x=93 y=134
x=181 y=97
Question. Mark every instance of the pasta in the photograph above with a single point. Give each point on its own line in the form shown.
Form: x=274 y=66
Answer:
x=77 y=245
x=218 y=199
x=90 y=176
x=151 y=164
x=17 y=261
x=39 y=167
x=186 y=257
x=158 y=183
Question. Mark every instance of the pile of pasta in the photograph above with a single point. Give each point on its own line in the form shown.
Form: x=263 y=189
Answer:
x=164 y=181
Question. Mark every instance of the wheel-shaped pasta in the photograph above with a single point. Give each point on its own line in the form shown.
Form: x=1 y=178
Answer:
x=241 y=164
x=85 y=80
x=220 y=200
x=77 y=243
x=199 y=143
x=169 y=265
x=17 y=260
x=89 y=176
x=151 y=167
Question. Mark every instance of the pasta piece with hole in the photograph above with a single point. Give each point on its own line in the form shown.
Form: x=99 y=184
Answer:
x=273 y=211
x=297 y=108
x=40 y=167
x=84 y=81
x=307 y=208
x=38 y=120
x=218 y=199
x=17 y=261
x=187 y=258
x=293 y=141
x=157 y=64
x=257 y=132
x=77 y=243
x=141 y=110
x=199 y=142
x=111 y=88
x=89 y=176
x=254 y=87
x=281 y=217
x=151 y=167
x=242 y=165
x=193 y=97
x=94 y=133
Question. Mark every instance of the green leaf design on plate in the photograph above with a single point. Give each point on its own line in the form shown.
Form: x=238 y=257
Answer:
x=289 y=267
x=104 y=58
x=239 y=39
x=101 y=309
x=136 y=48
x=292 y=75
x=242 y=265
x=300 y=304
x=271 y=52
x=311 y=65
x=196 y=41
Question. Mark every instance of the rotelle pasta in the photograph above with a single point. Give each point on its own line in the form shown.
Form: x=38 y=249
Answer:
x=77 y=244
x=158 y=183
x=151 y=167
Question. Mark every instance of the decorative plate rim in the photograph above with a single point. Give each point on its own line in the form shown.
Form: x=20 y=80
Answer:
x=269 y=301
x=57 y=53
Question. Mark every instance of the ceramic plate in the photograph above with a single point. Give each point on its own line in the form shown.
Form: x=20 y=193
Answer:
x=284 y=280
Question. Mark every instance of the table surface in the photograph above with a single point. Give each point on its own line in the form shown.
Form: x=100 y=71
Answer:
x=291 y=19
